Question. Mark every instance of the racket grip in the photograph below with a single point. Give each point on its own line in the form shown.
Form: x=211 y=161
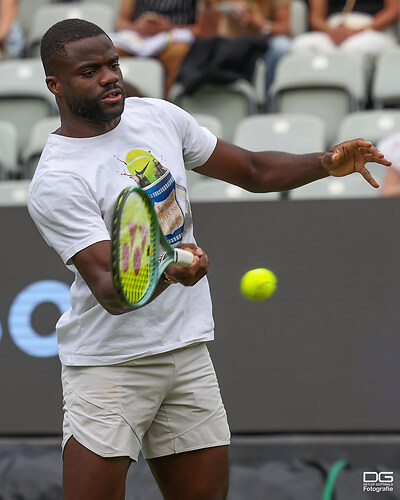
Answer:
x=182 y=258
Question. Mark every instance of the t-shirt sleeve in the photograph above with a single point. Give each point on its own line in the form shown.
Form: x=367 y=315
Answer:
x=66 y=213
x=198 y=143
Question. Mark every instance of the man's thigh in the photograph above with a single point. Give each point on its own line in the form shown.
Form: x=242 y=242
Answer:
x=195 y=475
x=87 y=476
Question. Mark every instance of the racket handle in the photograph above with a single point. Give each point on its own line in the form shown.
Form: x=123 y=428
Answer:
x=182 y=258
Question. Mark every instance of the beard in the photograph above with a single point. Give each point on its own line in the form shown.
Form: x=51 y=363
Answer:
x=93 y=109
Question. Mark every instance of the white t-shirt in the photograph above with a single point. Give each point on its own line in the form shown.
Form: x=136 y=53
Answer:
x=72 y=198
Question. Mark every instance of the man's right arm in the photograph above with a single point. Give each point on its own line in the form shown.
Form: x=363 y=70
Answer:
x=71 y=222
x=94 y=265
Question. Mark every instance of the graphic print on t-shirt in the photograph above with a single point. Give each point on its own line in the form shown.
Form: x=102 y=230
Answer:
x=160 y=186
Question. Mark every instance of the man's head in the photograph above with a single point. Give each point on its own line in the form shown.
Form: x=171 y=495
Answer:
x=54 y=41
x=82 y=71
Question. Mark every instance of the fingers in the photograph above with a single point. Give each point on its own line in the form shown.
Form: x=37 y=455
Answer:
x=370 y=158
x=368 y=177
x=361 y=143
x=374 y=155
x=370 y=152
x=200 y=263
x=357 y=151
x=190 y=275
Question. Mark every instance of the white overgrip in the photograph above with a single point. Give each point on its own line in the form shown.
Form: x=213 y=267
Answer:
x=182 y=258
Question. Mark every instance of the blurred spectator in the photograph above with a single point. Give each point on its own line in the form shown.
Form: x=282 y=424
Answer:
x=12 y=41
x=160 y=28
x=267 y=18
x=365 y=27
x=390 y=147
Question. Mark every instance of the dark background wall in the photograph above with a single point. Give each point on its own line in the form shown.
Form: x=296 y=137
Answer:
x=320 y=355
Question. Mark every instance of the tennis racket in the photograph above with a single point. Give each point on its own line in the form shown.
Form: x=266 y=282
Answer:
x=136 y=261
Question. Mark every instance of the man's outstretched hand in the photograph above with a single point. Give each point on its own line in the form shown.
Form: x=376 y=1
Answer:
x=351 y=156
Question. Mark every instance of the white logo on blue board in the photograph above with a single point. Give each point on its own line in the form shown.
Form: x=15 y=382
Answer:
x=22 y=308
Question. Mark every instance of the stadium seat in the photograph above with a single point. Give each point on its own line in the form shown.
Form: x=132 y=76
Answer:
x=385 y=91
x=298 y=17
x=24 y=96
x=371 y=124
x=292 y=133
x=227 y=102
x=216 y=190
x=203 y=189
x=351 y=186
x=146 y=74
x=298 y=24
x=115 y=4
x=211 y=122
x=36 y=142
x=47 y=15
x=297 y=133
x=8 y=149
x=319 y=85
x=26 y=11
x=259 y=82
x=13 y=193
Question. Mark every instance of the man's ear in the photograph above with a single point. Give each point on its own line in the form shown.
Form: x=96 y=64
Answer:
x=53 y=84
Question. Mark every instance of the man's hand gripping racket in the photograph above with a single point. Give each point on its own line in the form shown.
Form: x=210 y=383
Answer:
x=135 y=249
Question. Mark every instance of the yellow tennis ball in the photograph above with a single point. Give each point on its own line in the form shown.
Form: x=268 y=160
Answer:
x=258 y=284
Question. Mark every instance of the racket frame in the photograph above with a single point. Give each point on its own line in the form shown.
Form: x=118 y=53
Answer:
x=158 y=263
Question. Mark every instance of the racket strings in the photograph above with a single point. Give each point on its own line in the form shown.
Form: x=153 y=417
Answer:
x=136 y=248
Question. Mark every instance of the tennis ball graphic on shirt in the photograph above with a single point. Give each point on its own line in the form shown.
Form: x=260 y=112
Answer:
x=142 y=165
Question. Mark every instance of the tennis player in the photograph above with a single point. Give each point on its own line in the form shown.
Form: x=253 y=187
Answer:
x=141 y=380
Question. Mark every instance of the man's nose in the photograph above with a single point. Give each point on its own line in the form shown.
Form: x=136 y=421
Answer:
x=108 y=76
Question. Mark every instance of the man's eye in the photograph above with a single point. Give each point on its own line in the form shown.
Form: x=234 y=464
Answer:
x=115 y=66
x=88 y=74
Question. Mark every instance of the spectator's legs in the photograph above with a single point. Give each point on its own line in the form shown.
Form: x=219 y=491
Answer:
x=315 y=42
x=278 y=46
x=171 y=59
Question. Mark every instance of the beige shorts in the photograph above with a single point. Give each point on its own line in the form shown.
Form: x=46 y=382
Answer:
x=163 y=404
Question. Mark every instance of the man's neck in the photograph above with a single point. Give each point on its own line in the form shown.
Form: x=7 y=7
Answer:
x=81 y=129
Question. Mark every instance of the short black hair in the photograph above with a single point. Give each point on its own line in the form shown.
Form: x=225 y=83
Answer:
x=55 y=39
